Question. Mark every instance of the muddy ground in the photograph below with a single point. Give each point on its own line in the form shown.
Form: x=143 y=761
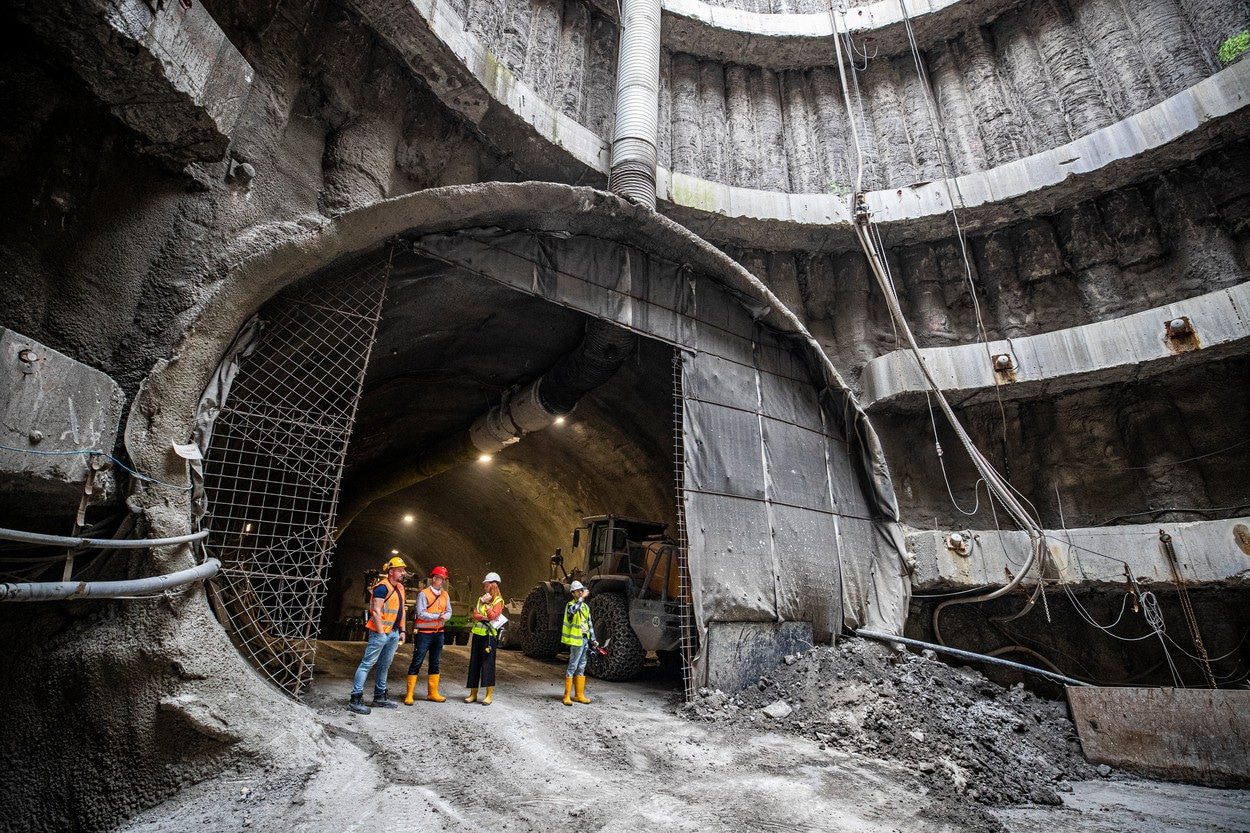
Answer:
x=962 y=754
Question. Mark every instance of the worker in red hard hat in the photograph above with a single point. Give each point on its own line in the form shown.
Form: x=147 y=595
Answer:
x=433 y=611
x=386 y=633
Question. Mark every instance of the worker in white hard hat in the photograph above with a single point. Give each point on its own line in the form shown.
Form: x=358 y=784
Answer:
x=386 y=633
x=579 y=635
x=488 y=618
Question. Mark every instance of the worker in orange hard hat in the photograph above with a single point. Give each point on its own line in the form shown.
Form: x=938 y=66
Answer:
x=433 y=611
x=386 y=632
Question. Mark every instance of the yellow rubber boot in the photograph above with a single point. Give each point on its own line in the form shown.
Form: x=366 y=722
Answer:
x=412 y=683
x=432 y=689
x=581 y=691
x=490 y=689
x=472 y=698
x=568 y=691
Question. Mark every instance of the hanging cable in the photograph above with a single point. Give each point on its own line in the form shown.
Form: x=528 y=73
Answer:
x=998 y=486
x=145 y=478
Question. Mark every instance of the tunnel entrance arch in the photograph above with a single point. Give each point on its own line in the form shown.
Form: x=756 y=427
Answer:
x=764 y=583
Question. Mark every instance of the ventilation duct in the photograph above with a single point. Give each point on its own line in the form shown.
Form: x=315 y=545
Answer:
x=535 y=406
x=634 y=141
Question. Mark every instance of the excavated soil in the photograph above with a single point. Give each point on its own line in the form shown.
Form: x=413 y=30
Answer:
x=958 y=732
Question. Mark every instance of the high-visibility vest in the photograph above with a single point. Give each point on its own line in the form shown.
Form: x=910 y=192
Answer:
x=433 y=605
x=392 y=608
x=576 y=623
x=483 y=608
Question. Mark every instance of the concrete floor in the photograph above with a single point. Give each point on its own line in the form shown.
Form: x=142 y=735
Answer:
x=629 y=761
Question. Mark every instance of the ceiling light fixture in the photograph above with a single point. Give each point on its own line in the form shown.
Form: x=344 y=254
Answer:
x=485 y=458
x=409 y=519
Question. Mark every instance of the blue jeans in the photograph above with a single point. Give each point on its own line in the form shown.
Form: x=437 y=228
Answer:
x=379 y=650
x=577 y=660
x=432 y=642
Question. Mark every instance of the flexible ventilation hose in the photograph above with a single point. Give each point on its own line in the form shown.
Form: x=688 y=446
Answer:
x=634 y=139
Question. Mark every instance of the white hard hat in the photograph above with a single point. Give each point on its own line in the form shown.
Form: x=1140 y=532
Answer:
x=577 y=587
x=492 y=577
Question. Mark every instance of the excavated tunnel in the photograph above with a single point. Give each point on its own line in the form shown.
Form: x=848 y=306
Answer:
x=451 y=345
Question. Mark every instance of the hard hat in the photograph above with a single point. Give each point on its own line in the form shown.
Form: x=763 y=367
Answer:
x=439 y=571
x=492 y=577
x=577 y=587
x=395 y=562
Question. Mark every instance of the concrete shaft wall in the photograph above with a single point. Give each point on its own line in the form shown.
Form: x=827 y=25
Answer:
x=123 y=250
x=1031 y=79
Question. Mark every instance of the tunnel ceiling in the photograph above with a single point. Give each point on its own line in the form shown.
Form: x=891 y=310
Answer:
x=449 y=344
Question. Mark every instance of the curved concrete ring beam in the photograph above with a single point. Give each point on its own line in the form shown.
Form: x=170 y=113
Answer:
x=1123 y=349
x=798 y=41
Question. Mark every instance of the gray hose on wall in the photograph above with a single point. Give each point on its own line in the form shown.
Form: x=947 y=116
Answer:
x=71 y=590
x=603 y=350
x=634 y=140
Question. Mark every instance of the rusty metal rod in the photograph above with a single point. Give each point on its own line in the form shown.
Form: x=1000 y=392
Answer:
x=969 y=655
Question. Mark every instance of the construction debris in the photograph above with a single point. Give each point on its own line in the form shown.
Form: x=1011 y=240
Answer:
x=962 y=734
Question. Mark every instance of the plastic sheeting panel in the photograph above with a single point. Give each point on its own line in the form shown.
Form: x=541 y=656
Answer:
x=757 y=453
x=790 y=513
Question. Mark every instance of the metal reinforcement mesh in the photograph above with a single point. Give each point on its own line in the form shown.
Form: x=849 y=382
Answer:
x=274 y=464
x=689 y=633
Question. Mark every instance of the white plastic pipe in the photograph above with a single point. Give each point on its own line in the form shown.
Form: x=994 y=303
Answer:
x=70 y=590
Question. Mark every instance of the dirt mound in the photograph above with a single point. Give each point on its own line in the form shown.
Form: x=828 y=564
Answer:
x=961 y=733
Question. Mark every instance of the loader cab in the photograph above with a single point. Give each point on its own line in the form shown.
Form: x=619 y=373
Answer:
x=608 y=539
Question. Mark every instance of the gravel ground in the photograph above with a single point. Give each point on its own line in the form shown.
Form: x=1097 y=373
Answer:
x=637 y=759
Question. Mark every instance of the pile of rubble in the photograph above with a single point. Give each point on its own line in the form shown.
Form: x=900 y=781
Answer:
x=962 y=734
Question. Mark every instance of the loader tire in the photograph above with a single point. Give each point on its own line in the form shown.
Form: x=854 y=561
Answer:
x=625 y=653
x=537 y=639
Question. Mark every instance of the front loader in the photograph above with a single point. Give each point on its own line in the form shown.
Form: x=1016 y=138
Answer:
x=632 y=571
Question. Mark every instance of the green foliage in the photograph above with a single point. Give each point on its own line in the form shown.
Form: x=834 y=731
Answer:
x=1232 y=48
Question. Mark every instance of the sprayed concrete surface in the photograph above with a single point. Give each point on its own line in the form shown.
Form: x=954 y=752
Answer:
x=636 y=758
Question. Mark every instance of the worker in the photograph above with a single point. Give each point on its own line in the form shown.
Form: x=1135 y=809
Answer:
x=386 y=632
x=487 y=619
x=433 y=611
x=579 y=635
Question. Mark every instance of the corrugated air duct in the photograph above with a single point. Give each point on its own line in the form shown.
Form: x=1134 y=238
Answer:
x=634 y=142
x=533 y=407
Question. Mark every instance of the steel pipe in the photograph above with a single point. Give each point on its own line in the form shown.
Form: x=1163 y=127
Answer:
x=72 y=590
x=969 y=655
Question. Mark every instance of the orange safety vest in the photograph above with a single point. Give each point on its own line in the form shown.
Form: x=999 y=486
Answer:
x=432 y=605
x=392 y=608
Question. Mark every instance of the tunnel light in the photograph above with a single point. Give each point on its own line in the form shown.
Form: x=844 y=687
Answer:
x=247 y=527
x=485 y=458
x=559 y=420
x=394 y=552
x=409 y=519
